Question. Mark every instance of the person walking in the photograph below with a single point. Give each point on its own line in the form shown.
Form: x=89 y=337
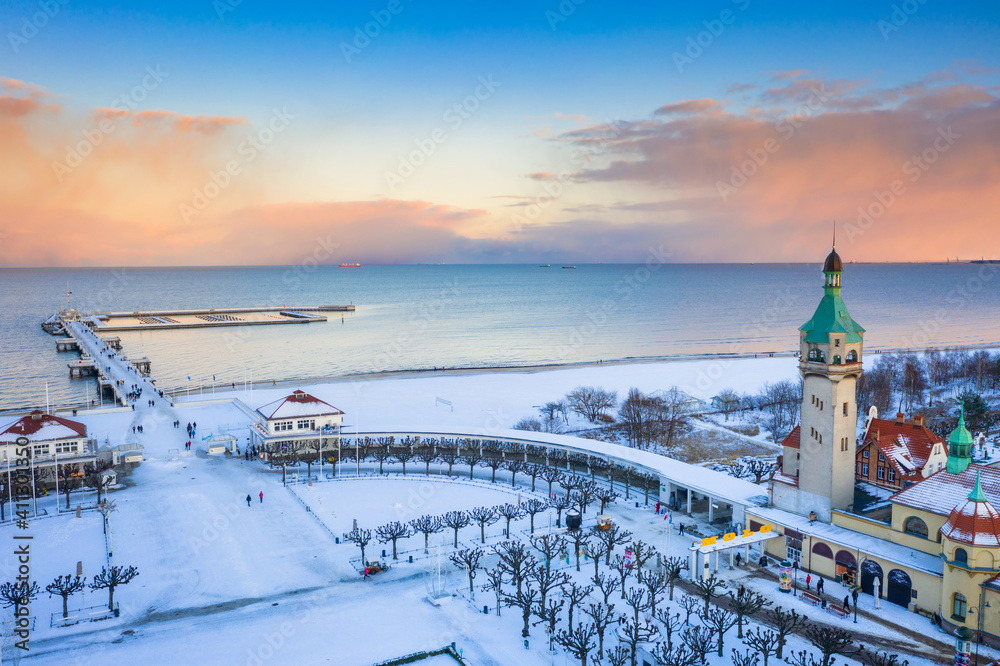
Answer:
x=808 y=581
x=847 y=602
x=819 y=584
x=854 y=596
x=262 y=497
x=248 y=499
x=739 y=559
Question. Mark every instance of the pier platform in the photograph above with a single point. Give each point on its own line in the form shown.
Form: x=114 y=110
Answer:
x=173 y=319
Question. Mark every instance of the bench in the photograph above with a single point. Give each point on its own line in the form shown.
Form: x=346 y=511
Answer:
x=838 y=611
x=811 y=598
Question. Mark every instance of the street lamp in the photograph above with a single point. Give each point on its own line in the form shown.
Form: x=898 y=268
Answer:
x=983 y=604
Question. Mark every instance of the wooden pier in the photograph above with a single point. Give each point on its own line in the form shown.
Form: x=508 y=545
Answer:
x=67 y=344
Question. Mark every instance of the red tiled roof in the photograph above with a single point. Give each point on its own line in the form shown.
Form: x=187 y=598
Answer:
x=942 y=491
x=785 y=479
x=792 y=439
x=907 y=445
x=39 y=426
x=974 y=524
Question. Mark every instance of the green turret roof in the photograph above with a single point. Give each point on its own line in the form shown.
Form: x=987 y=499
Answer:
x=831 y=314
x=959 y=446
x=977 y=494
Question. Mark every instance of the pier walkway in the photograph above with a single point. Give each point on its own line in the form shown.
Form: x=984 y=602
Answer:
x=114 y=371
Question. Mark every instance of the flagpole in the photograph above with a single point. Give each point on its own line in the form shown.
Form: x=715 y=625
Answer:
x=56 y=458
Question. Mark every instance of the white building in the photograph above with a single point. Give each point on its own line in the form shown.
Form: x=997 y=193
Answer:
x=51 y=440
x=295 y=419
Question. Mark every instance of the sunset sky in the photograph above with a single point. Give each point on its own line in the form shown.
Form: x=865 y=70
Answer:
x=245 y=132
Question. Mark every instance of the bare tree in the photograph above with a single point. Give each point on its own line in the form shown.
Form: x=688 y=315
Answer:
x=606 y=496
x=515 y=561
x=493 y=460
x=528 y=423
x=468 y=559
x=655 y=583
x=560 y=504
x=382 y=452
x=534 y=471
x=591 y=402
x=94 y=475
x=641 y=553
x=579 y=642
x=448 y=455
x=551 y=475
x=746 y=603
x=764 y=642
x=727 y=400
x=637 y=600
x=547 y=580
x=618 y=656
x=623 y=568
x=700 y=641
x=484 y=515
x=18 y=594
x=392 y=531
x=709 y=588
x=427 y=454
x=580 y=541
x=510 y=512
x=456 y=520
x=426 y=525
x=613 y=536
x=524 y=598
x=785 y=623
x=632 y=633
x=689 y=604
x=830 y=641
x=362 y=538
x=111 y=578
x=607 y=585
x=586 y=495
x=515 y=466
x=532 y=507
x=575 y=594
x=759 y=468
x=550 y=545
x=747 y=658
x=594 y=549
x=673 y=567
x=547 y=613
x=720 y=621
x=802 y=658
x=495 y=576
x=669 y=656
x=473 y=456
x=65 y=587
x=602 y=614
x=671 y=624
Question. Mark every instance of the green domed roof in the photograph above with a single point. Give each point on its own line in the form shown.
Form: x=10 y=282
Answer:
x=959 y=446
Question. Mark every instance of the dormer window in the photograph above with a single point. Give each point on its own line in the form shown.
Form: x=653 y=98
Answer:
x=852 y=356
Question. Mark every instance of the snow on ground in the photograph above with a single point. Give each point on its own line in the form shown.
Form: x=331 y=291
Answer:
x=501 y=398
x=225 y=583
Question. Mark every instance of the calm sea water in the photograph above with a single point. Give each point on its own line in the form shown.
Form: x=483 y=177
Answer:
x=417 y=317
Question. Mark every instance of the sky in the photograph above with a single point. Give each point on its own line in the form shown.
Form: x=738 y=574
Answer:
x=239 y=132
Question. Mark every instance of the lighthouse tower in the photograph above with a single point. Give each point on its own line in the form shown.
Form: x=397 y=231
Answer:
x=821 y=470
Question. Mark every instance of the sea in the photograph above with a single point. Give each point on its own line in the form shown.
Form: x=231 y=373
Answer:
x=425 y=317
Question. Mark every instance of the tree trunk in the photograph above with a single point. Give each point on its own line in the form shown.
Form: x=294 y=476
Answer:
x=526 y=613
x=65 y=605
x=394 y=550
x=456 y=537
x=111 y=598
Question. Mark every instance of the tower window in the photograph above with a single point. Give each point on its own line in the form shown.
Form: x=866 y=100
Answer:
x=852 y=356
x=836 y=360
x=958 y=606
x=845 y=409
x=836 y=343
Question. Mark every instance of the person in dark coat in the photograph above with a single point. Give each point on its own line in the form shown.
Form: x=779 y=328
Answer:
x=249 y=499
x=819 y=584
x=847 y=602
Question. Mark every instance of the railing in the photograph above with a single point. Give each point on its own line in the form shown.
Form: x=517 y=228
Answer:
x=89 y=614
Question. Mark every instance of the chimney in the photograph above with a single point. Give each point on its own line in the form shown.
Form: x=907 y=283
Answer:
x=36 y=416
x=918 y=420
x=900 y=417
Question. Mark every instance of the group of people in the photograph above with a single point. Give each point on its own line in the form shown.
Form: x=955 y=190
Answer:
x=134 y=393
x=137 y=428
x=260 y=495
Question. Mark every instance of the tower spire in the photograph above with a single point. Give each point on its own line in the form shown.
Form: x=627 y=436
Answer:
x=835 y=235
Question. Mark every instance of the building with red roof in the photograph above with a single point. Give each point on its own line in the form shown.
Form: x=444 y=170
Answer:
x=45 y=441
x=897 y=454
x=295 y=423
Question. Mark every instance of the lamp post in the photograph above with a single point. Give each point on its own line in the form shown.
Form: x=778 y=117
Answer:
x=983 y=604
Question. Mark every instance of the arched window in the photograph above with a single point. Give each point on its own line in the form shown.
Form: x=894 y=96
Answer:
x=852 y=356
x=822 y=550
x=958 y=607
x=961 y=556
x=916 y=527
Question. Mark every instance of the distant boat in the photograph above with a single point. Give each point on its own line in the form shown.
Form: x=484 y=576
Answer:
x=350 y=265
x=569 y=266
x=545 y=265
